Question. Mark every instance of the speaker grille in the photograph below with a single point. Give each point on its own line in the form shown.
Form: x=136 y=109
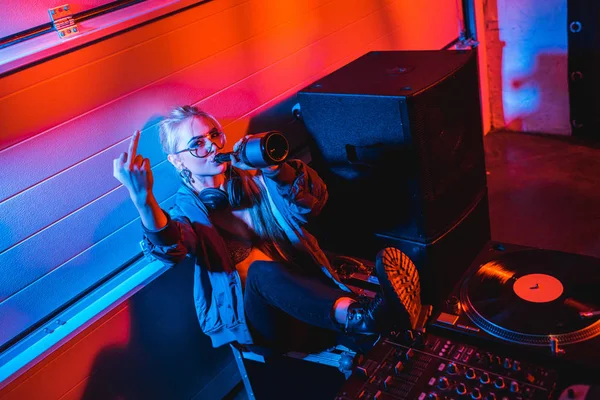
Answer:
x=419 y=113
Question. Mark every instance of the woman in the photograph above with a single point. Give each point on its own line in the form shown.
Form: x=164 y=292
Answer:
x=259 y=275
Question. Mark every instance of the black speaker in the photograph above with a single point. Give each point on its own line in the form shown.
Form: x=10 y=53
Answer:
x=443 y=262
x=397 y=136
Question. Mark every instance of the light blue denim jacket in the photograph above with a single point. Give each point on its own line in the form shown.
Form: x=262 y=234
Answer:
x=296 y=193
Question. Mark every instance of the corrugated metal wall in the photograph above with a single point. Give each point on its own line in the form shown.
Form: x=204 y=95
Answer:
x=66 y=222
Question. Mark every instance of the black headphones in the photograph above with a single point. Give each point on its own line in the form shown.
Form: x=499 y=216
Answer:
x=218 y=199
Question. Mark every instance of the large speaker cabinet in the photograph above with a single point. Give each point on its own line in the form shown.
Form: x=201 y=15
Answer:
x=397 y=136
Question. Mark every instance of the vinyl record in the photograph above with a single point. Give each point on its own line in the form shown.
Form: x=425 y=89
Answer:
x=532 y=295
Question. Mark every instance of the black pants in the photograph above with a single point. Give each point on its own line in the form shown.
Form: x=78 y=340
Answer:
x=289 y=310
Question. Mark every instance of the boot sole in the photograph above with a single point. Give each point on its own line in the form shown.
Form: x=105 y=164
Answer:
x=400 y=283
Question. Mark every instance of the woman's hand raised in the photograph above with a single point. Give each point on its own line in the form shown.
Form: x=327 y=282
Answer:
x=134 y=172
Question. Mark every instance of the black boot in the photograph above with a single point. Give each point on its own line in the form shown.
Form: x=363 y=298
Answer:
x=367 y=316
x=399 y=281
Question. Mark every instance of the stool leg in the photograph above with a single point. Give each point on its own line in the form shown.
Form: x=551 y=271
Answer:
x=239 y=359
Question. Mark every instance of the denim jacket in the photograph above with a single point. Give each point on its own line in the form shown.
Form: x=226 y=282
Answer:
x=296 y=193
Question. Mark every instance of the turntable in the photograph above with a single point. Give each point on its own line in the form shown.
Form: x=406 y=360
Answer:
x=540 y=302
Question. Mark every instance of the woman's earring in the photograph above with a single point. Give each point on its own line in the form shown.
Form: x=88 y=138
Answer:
x=186 y=175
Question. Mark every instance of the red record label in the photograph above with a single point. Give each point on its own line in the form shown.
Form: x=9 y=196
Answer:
x=538 y=288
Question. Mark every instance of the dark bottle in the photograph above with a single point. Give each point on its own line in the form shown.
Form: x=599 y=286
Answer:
x=260 y=150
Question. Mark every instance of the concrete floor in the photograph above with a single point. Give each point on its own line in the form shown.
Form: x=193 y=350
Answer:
x=544 y=191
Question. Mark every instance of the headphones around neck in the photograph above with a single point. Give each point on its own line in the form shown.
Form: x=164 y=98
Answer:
x=215 y=199
x=234 y=197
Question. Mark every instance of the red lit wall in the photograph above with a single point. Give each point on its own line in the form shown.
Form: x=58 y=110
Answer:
x=67 y=223
x=250 y=51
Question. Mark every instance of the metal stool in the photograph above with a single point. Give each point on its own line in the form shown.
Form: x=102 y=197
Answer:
x=339 y=357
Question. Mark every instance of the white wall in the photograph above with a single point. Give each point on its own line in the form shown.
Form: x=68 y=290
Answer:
x=526 y=43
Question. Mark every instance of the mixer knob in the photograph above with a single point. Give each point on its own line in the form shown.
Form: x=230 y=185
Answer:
x=490 y=396
x=470 y=374
x=476 y=393
x=453 y=305
x=514 y=387
x=485 y=378
x=499 y=382
x=409 y=336
x=461 y=388
x=489 y=357
x=452 y=368
x=443 y=382
x=433 y=396
x=516 y=365
x=419 y=335
x=418 y=339
x=507 y=363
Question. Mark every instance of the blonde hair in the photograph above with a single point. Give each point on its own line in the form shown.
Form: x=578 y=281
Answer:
x=169 y=127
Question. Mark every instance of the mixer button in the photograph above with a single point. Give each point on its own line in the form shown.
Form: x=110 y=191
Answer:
x=514 y=387
x=398 y=367
x=530 y=378
x=387 y=384
x=516 y=365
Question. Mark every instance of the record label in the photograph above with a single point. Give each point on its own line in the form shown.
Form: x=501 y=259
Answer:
x=538 y=288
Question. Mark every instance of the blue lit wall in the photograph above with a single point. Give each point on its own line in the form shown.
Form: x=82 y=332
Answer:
x=527 y=65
